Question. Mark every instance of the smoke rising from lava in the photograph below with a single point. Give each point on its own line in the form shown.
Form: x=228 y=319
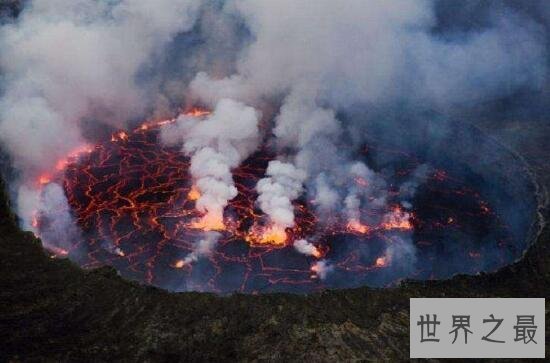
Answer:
x=326 y=58
x=277 y=190
x=217 y=145
x=284 y=74
x=203 y=247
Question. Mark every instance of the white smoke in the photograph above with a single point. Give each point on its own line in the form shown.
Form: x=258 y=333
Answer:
x=376 y=52
x=408 y=189
x=203 y=247
x=367 y=187
x=401 y=255
x=217 y=144
x=65 y=62
x=70 y=59
x=278 y=189
x=322 y=268
x=365 y=53
x=57 y=230
x=306 y=248
x=326 y=197
x=352 y=204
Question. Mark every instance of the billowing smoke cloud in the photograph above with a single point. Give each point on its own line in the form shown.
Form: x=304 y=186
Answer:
x=306 y=248
x=401 y=256
x=68 y=61
x=378 y=52
x=373 y=55
x=367 y=188
x=217 y=144
x=57 y=228
x=322 y=269
x=369 y=54
x=282 y=185
x=408 y=189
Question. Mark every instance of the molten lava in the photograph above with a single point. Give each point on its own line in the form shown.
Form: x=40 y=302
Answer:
x=179 y=264
x=381 y=262
x=272 y=235
x=397 y=219
x=194 y=193
x=356 y=226
x=134 y=201
x=208 y=222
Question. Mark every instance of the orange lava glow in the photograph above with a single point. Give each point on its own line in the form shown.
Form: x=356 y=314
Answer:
x=197 y=112
x=135 y=202
x=155 y=124
x=361 y=181
x=179 y=264
x=272 y=235
x=209 y=222
x=71 y=156
x=381 y=262
x=120 y=135
x=60 y=252
x=317 y=253
x=397 y=219
x=194 y=193
x=44 y=179
x=357 y=227
x=315 y=268
x=193 y=112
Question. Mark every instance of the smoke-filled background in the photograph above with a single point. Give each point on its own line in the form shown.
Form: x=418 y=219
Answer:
x=314 y=80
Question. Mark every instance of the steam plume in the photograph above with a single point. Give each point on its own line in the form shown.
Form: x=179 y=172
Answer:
x=322 y=268
x=282 y=185
x=202 y=248
x=68 y=61
x=216 y=145
x=366 y=54
x=306 y=248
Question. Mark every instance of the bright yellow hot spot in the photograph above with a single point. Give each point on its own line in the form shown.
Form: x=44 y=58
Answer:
x=209 y=222
x=356 y=226
x=194 y=193
x=273 y=235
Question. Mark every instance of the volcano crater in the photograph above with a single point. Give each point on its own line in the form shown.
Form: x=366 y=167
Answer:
x=132 y=199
